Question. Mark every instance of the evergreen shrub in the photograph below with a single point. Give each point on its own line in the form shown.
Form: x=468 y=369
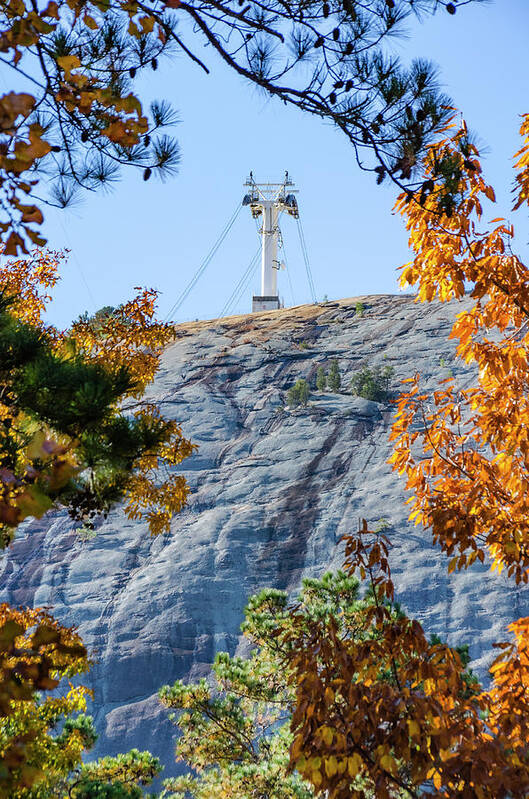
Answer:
x=298 y=394
x=373 y=384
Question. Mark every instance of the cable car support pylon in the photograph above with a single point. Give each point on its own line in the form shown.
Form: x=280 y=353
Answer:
x=268 y=200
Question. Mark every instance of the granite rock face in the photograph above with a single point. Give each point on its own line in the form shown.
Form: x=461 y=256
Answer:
x=273 y=491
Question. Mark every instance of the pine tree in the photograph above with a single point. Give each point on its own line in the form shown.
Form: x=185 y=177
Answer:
x=235 y=731
x=321 y=379
x=63 y=439
x=234 y=735
x=334 y=379
x=372 y=384
x=298 y=394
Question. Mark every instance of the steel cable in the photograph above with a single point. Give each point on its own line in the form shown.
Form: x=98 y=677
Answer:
x=203 y=266
x=305 y=254
x=241 y=285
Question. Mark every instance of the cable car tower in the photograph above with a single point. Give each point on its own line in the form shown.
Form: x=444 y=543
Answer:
x=269 y=200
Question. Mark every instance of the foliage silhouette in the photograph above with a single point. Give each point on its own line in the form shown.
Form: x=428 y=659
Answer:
x=83 y=122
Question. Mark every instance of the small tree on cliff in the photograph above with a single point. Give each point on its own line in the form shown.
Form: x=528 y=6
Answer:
x=372 y=384
x=465 y=454
x=334 y=378
x=321 y=379
x=298 y=394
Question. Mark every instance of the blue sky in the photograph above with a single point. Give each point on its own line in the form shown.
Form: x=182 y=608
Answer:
x=154 y=234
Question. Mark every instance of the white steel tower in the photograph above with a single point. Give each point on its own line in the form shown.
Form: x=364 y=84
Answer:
x=268 y=200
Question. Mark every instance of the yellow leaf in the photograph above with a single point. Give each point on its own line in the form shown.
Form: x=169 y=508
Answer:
x=331 y=766
x=489 y=193
x=68 y=62
x=388 y=763
x=134 y=30
x=327 y=735
x=354 y=764
x=316 y=777
x=147 y=23
x=35 y=448
x=33 y=502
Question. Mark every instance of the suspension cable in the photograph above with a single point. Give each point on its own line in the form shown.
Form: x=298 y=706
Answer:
x=205 y=263
x=243 y=281
x=305 y=254
x=287 y=269
x=241 y=285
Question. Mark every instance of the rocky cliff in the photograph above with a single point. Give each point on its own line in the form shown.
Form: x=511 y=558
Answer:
x=273 y=491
